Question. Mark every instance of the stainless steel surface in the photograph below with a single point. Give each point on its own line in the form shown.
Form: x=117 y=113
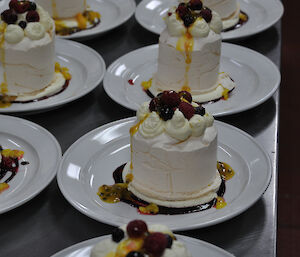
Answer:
x=48 y=223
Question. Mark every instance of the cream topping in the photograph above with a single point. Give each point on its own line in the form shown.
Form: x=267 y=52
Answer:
x=14 y=34
x=178 y=127
x=200 y=28
x=35 y=30
x=152 y=126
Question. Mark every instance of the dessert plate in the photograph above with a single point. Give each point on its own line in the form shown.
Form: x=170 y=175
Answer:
x=194 y=246
x=41 y=150
x=262 y=15
x=256 y=77
x=87 y=68
x=113 y=14
x=82 y=172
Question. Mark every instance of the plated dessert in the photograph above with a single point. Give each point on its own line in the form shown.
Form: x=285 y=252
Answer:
x=229 y=11
x=70 y=16
x=28 y=55
x=173 y=167
x=139 y=240
x=189 y=55
x=9 y=166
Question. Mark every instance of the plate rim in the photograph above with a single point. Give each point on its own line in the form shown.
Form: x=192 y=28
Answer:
x=41 y=186
x=93 y=241
x=225 y=36
x=109 y=74
x=64 y=101
x=217 y=220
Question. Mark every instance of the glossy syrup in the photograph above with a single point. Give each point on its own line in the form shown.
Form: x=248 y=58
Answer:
x=119 y=193
x=8 y=165
x=243 y=19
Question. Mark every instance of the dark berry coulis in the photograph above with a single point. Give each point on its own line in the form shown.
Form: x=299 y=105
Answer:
x=120 y=192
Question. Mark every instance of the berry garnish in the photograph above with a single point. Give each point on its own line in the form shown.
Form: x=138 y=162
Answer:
x=166 y=112
x=170 y=98
x=9 y=16
x=169 y=241
x=206 y=14
x=21 y=6
x=32 y=16
x=188 y=20
x=182 y=10
x=137 y=228
x=13 y=4
x=187 y=110
x=135 y=254
x=153 y=106
x=155 y=244
x=195 y=4
x=22 y=24
x=32 y=6
x=200 y=110
x=117 y=235
x=186 y=95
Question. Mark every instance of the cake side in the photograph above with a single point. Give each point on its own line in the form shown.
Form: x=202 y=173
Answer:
x=174 y=155
x=27 y=50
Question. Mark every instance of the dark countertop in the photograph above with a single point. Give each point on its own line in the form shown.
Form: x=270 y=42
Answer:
x=48 y=223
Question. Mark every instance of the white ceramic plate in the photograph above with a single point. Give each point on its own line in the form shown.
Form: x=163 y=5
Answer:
x=86 y=66
x=43 y=153
x=262 y=15
x=193 y=245
x=113 y=14
x=82 y=172
x=256 y=77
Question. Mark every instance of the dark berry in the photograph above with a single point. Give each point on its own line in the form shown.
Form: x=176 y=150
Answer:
x=186 y=95
x=135 y=254
x=206 y=14
x=117 y=235
x=153 y=106
x=32 y=6
x=188 y=20
x=32 y=16
x=13 y=4
x=159 y=95
x=200 y=110
x=137 y=228
x=182 y=10
x=165 y=112
x=169 y=241
x=9 y=16
x=155 y=244
x=21 y=6
x=195 y=4
x=22 y=24
x=170 y=98
x=187 y=110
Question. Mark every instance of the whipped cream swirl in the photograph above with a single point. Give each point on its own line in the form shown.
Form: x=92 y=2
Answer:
x=199 y=29
x=179 y=127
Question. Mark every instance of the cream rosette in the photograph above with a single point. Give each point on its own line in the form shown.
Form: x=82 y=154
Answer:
x=178 y=127
x=152 y=126
x=199 y=29
x=143 y=111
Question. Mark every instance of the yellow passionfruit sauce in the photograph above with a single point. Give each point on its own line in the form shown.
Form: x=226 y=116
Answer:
x=243 y=17
x=132 y=131
x=3 y=187
x=186 y=44
x=63 y=70
x=147 y=84
x=152 y=208
x=12 y=153
x=225 y=170
x=112 y=194
x=225 y=93
x=220 y=202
